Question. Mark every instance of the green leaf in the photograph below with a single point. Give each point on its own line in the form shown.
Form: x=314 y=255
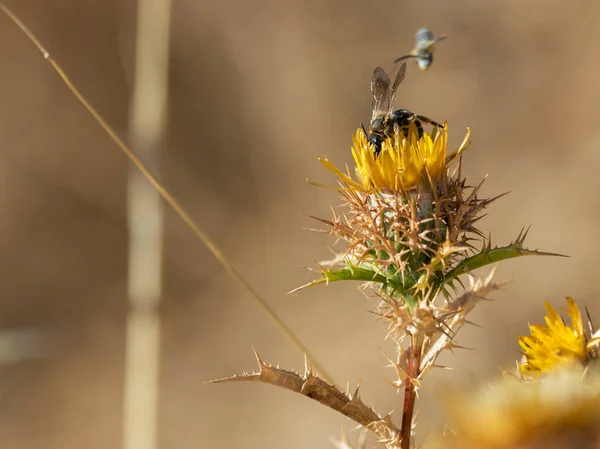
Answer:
x=489 y=255
x=352 y=273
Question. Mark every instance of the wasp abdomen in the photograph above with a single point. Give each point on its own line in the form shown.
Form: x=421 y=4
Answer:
x=403 y=118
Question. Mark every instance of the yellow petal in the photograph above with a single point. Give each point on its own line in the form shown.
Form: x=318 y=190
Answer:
x=404 y=162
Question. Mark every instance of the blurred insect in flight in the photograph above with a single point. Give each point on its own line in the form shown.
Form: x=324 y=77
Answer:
x=424 y=46
x=385 y=121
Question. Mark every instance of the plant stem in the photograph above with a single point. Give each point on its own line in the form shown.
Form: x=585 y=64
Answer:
x=410 y=391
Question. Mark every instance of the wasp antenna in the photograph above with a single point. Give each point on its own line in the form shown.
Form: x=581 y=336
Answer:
x=364 y=129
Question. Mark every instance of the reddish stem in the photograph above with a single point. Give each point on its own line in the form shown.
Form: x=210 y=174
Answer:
x=410 y=393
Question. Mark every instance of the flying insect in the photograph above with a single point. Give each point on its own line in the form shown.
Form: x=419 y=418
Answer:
x=385 y=121
x=424 y=47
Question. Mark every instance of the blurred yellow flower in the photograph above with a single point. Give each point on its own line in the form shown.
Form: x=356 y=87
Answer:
x=561 y=412
x=554 y=345
x=403 y=163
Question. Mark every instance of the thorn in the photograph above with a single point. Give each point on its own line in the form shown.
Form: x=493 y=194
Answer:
x=212 y=381
x=476 y=189
x=307 y=367
x=397 y=384
x=494 y=198
x=448 y=368
x=261 y=364
x=589 y=318
x=472 y=323
x=327 y=222
x=525 y=233
x=319 y=231
x=356 y=391
x=452 y=346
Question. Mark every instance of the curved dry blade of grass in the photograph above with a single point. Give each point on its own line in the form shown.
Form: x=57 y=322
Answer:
x=178 y=208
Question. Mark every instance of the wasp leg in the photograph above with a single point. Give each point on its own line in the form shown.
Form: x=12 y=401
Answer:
x=402 y=58
x=404 y=126
x=419 y=127
x=429 y=121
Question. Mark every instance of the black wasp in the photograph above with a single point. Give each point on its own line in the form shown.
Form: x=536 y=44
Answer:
x=384 y=120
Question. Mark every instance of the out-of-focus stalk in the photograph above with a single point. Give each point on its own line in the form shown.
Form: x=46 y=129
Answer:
x=148 y=118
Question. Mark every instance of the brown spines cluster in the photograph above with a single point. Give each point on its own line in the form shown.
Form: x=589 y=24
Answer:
x=460 y=208
x=412 y=238
x=451 y=316
x=436 y=326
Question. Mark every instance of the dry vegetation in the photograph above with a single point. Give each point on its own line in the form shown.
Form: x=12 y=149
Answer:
x=257 y=91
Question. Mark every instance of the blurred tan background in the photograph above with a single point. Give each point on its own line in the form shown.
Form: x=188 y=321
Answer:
x=258 y=90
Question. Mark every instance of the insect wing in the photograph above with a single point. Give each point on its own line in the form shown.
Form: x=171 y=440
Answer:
x=426 y=45
x=399 y=78
x=380 y=88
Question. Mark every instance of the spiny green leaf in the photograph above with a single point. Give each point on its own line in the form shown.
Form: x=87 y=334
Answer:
x=351 y=273
x=490 y=255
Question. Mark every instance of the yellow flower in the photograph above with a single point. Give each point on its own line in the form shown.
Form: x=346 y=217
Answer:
x=403 y=163
x=561 y=412
x=555 y=345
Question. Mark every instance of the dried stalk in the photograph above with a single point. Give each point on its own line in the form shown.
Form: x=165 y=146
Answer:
x=148 y=120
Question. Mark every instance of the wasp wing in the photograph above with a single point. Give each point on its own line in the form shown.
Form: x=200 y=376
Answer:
x=380 y=88
x=399 y=78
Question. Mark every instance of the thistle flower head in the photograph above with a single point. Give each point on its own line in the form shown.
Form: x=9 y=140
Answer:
x=409 y=227
x=405 y=162
x=409 y=219
x=556 y=344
